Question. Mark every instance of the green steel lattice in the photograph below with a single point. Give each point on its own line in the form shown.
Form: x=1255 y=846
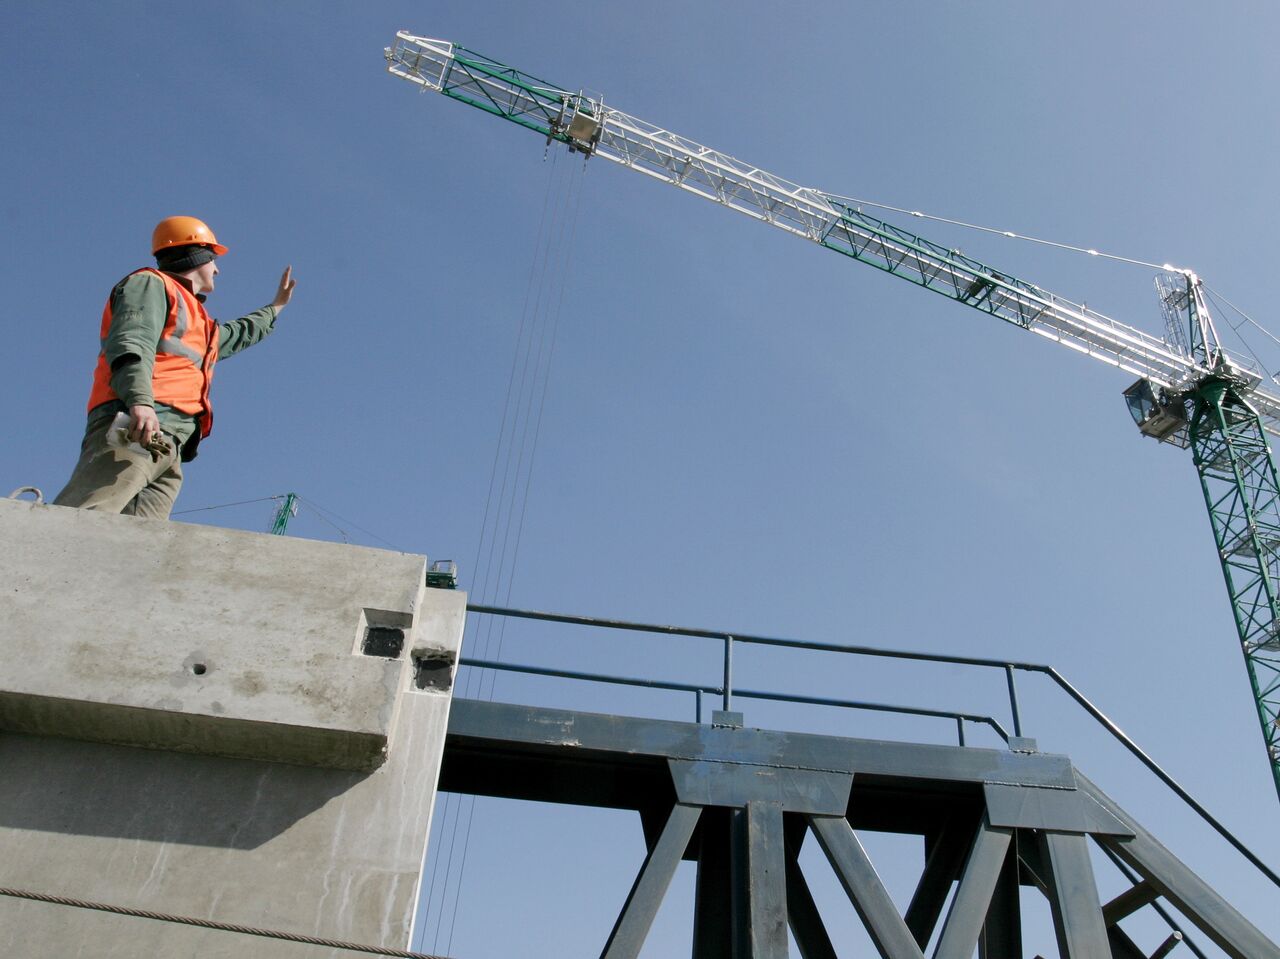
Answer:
x=1241 y=491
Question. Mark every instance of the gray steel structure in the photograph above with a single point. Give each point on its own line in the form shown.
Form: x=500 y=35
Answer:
x=740 y=802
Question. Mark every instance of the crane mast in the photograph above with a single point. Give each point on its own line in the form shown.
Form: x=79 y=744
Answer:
x=1189 y=392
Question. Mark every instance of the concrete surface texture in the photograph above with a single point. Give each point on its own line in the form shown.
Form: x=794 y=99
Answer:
x=145 y=632
x=189 y=825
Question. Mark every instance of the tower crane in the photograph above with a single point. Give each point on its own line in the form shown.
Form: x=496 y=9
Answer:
x=1189 y=391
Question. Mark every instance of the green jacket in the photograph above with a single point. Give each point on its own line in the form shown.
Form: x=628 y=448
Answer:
x=139 y=306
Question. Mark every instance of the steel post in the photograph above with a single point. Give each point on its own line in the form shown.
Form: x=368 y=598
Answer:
x=728 y=674
x=1013 y=701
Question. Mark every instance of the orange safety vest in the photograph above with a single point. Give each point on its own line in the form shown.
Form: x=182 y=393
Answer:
x=185 y=355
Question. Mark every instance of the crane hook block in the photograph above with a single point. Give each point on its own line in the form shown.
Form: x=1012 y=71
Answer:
x=584 y=131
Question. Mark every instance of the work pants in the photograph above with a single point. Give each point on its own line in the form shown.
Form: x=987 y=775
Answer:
x=120 y=479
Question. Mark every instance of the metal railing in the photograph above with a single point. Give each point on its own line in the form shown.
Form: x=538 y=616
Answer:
x=699 y=690
x=726 y=691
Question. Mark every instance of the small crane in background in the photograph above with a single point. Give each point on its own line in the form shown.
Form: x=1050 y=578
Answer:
x=287 y=510
x=441 y=574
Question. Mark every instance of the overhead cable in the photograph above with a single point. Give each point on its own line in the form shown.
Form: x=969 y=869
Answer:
x=243 y=502
x=506 y=504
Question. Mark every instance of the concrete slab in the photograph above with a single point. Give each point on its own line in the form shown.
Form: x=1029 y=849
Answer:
x=193 y=827
x=205 y=640
x=321 y=852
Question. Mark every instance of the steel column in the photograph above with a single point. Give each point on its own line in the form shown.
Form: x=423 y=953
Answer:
x=1077 y=913
x=712 y=912
x=760 y=891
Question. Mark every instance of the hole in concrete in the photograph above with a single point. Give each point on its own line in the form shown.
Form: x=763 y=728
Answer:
x=199 y=668
x=432 y=670
x=384 y=641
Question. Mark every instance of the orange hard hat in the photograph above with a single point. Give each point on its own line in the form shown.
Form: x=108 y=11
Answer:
x=183 y=231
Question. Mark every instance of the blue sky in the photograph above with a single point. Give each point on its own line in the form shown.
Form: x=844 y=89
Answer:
x=740 y=430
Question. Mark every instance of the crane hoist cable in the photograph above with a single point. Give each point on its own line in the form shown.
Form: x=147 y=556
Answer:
x=506 y=506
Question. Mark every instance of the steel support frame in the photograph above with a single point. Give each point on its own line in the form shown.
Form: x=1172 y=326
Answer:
x=1159 y=869
x=1242 y=493
x=740 y=803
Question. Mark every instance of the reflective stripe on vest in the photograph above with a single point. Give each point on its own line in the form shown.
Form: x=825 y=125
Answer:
x=184 y=360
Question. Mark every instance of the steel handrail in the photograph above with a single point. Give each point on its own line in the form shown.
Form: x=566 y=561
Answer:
x=748 y=693
x=912 y=655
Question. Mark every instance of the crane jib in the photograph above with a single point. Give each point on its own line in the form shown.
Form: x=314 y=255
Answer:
x=948 y=272
x=506 y=92
x=548 y=109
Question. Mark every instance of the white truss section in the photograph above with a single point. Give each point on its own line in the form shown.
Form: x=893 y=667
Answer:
x=821 y=218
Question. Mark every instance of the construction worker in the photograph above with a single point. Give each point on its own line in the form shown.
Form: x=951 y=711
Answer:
x=149 y=404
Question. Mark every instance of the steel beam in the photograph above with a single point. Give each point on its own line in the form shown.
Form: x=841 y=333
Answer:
x=1058 y=810
x=888 y=930
x=802 y=915
x=651 y=884
x=1186 y=891
x=941 y=868
x=718 y=782
x=973 y=896
x=806 y=923
x=501 y=732
x=1122 y=947
x=1129 y=902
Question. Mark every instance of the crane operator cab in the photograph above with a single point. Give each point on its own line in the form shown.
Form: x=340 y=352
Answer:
x=1157 y=413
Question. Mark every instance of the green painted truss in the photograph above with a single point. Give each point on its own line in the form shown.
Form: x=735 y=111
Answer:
x=1242 y=493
